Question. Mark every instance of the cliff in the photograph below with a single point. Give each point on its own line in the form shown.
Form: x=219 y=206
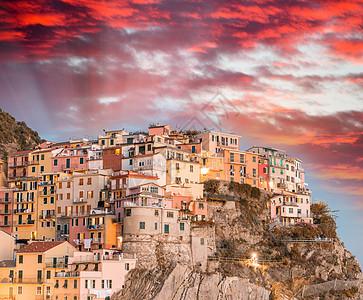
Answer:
x=15 y=135
x=291 y=263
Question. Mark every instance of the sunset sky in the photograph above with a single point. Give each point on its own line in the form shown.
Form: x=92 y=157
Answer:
x=280 y=73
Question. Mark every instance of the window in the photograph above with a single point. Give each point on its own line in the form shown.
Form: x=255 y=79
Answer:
x=128 y=212
x=81 y=181
x=89 y=181
x=68 y=185
x=265 y=170
x=41 y=168
x=81 y=160
x=112 y=142
x=156 y=226
x=51 y=200
x=33 y=169
x=156 y=212
x=166 y=228
x=191 y=169
x=130 y=162
x=142 y=225
x=169 y=214
x=193 y=149
x=299 y=211
x=273 y=170
x=254 y=172
x=242 y=159
x=55 y=162
x=127 y=266
x=40 y=259
x=254 y=158
x=21 y=259
x=60 y=185
x=231 y=157
x=181 y=226
x=93 y=284
x=20 y=290
x=291 y=210
x=202 y=241
x=48 y=274
x=177 y=166
x=39 y=290
x=201 y=206
x=86 y=284
x=149 y=147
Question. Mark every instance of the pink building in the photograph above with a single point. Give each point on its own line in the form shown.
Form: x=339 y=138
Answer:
x=160 y=129
x=291 y=208
x=263 y=173
x=94 y=231
x=99 y=273
x=6 y=209
x=70 y=159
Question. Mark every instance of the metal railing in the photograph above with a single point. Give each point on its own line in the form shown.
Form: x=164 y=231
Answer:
x=96 y=227
x=24 y=222
x=23 y=210
x=5 y=212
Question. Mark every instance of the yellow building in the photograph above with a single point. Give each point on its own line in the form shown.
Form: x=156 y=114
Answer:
x=212 y=167
x=25 y=207
x=32 y=276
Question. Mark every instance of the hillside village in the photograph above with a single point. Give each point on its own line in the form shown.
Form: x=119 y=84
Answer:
x=80 y=218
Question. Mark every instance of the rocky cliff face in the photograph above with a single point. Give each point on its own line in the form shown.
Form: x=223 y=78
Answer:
x=15 y=135
x=284 y=270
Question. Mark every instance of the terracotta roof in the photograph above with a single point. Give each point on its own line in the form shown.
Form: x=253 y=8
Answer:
x=39 y=246
x=20 y=153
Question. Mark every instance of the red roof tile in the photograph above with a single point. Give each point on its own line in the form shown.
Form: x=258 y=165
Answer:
x=39 y=246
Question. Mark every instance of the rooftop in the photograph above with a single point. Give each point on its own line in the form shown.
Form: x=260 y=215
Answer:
x=39 y=247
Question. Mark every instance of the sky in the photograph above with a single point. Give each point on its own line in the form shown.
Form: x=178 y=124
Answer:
x=281 y=73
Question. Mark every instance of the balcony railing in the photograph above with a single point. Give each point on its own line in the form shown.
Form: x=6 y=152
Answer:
x=24 y=200
x=5 y=225
x=79 y=200
x=96 y=227
x=96 y=241
x=24 y=222
x=23 y=211
x=5 y=200
x=47 y=217
x=47 y=193
x=22 y=280
x=66 y=274
x=289 y=203
x=5 y=212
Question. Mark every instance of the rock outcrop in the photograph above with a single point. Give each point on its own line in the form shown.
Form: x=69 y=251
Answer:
x=285 y=270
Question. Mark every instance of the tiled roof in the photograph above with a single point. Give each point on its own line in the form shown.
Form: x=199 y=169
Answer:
x=20 y=153
x=39 y=246
x=7 y=263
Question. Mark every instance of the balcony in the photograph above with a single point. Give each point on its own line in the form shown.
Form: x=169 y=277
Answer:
x=47 y=183
x=290 y=203
x=5 y=200
x=24 y=200
x=47 y=217
x=96 y=227
x=96 y=241
x=79 y=200
x=281 y=185
x=5 y=212
x=24 y=223
x=66 y=274
x=30 y=280
x=5 y=225
x=23 y=211
x=47 y=193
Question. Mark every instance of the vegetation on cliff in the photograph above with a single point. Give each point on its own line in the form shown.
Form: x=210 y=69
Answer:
x=15 y=135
